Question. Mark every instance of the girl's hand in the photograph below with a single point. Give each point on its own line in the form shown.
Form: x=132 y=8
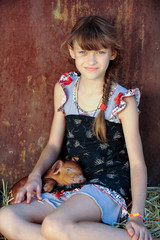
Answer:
x=136 y=229
x=33 y=185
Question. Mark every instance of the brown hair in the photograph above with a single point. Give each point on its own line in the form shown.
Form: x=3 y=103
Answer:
x=94 y=33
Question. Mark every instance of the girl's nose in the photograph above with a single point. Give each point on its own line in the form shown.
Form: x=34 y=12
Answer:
x=92 y=58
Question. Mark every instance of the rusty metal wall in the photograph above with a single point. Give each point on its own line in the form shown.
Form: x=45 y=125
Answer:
x=31 y=32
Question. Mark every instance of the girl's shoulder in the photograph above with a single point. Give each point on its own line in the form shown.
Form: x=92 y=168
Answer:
x=68 y=78
x=66 y=83
x=121 y=93
x=118 y=95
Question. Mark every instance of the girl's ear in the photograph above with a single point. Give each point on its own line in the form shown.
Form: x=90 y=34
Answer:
x=71 y=51
x=113 y=55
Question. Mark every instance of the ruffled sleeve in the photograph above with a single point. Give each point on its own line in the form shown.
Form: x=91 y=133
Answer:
x=65 y=80
x=120 y=103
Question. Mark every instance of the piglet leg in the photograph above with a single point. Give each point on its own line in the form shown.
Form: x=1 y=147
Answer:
x=49 y=184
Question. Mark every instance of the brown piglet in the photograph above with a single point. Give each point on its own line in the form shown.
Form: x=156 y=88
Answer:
x=61 y=173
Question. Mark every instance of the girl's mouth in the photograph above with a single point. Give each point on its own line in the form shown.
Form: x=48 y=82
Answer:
x=91 y=69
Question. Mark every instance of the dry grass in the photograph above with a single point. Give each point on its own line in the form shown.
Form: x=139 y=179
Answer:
x=152 y=209
x=152 y=212
x=6 y=198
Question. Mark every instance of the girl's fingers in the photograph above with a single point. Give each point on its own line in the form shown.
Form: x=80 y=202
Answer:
x=138 y=231
x=39 y=193
x=133 y=231
x=20 y=196
x=136 y=236
x=148 y=236
x=130 y=229
x=29 y=195
x=28 y=190
x=142 y=236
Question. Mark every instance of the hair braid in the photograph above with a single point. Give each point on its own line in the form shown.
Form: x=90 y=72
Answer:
x=99 y=124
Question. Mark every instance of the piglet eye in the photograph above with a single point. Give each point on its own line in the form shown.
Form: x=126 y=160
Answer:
x=68 y=170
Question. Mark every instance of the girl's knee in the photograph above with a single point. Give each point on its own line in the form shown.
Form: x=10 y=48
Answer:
x=7 y=218
x=6 y=213
x=10 y=214
x=57 y=228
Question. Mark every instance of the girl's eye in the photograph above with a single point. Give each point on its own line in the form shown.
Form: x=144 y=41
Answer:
x=101 y=52
x=82 y=52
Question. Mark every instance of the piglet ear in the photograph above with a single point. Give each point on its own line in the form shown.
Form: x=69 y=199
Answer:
x=56 y=168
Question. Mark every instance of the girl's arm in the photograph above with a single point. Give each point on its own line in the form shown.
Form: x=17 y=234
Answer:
x=130 y=122
x=50 y=153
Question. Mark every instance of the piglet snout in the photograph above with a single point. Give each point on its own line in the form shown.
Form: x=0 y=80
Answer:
x=82 y=179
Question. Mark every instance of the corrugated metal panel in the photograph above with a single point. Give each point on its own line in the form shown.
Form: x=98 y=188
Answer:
x=31 y=32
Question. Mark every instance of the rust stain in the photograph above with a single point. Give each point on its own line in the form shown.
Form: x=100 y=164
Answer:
x=120 y=14
x=31 y=148
x=29 y=78
x=6 y=60
x=41 y=142
x=157 y=45
x=22 y=143
x=11 y=152
x=3 y=168
x=28 y=115
x=20 y=133
x=74 y=10
x=43 y=78
x=31 y=128
x=128 y=8
x=128 y=11
x=6 y=123
x=57 y=14
x=142 y=33
x=23 y=155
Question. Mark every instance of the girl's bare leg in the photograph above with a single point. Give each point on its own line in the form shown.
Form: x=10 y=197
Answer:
x=79 y=218
x=23 y=221
x=76 y=219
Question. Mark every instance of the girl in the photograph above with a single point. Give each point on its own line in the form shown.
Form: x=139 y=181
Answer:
x=100 y=119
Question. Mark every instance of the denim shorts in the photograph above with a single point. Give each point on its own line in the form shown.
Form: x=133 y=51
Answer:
x=110 y=210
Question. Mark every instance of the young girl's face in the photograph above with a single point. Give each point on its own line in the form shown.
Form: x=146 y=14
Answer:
x=92 y=64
